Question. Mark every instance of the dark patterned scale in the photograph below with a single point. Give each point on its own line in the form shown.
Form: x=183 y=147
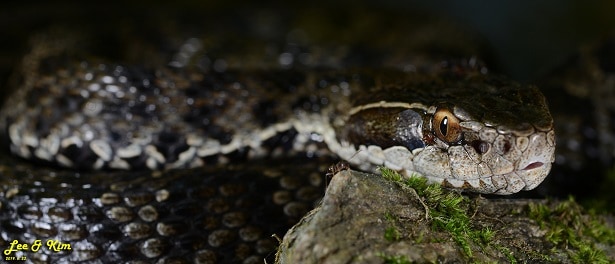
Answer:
x=148 y=216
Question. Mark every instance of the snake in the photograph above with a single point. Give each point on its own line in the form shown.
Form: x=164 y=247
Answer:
x=452 y=124
x=450 y=121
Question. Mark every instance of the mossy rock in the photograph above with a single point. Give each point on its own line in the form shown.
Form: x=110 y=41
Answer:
x=367 y=218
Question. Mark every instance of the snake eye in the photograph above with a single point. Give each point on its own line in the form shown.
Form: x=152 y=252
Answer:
x=446 y=126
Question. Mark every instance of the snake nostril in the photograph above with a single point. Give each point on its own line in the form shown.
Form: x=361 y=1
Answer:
x=480 y=146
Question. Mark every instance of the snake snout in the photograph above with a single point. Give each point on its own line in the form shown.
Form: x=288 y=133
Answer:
x=539 y=156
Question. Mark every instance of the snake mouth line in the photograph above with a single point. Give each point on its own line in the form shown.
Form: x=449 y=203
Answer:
x=533 y=165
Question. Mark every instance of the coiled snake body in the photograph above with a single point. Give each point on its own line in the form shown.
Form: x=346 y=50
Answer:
x=450 y=122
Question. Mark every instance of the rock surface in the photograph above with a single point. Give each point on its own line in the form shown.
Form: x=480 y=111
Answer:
x=366 y=218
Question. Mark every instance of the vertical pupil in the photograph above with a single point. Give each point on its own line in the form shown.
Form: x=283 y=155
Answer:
x=444 y=126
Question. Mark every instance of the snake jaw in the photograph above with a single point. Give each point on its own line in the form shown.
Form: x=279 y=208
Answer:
x=531 y=168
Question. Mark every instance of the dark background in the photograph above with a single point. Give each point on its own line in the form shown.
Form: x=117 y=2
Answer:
x=527 y=39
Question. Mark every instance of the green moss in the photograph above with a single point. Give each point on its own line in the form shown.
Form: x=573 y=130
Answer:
x=597 y=230
x=391 y=175
x=485 y=235
x=391 y=234
x=448 y=211
x=389 y=217
x=420 y=239
x=569 y=227
x=507 y=252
